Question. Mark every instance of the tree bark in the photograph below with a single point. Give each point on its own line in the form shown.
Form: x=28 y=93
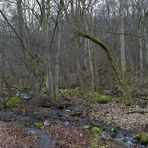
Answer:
x=146 y=45
x=49 y=75
x=141 y=52
x=57 y=55
x=127 y=94
x=88 y=47
x=122 y=39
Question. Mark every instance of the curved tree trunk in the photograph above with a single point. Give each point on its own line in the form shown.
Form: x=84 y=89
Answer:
x=127 y=94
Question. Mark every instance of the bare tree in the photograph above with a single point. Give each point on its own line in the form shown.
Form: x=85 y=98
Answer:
x=122 y=40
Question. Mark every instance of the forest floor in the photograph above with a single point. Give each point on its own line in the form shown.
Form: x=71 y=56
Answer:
x=15 y=137
x=74 y=123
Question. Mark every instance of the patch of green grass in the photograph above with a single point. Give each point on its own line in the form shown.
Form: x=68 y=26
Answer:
x=13 y=102
x=142 y=137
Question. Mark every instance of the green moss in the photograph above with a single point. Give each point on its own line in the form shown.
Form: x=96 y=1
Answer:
x=89 y=96
x=94 y=142
x=142 y=137
x=102 y=146
x=104 y=99
x=69 y=92
x=38 y=125
x=96 y=97
x=35 y=114
x=97 y=135
x=96 y=130
x=13 y=102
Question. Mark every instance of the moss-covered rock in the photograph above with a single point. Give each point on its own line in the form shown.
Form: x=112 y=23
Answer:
x=142 y=137
x=13 y=102
x=38 y=125
x=97 y=97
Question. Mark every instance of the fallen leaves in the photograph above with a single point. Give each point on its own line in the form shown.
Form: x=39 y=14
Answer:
x=15 y=137
x=68 y=137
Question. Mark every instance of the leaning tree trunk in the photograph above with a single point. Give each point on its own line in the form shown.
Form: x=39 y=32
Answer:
x=127 y=98
x=127 y=94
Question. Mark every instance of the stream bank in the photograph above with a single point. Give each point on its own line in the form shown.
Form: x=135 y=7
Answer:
x=68 y=123
x=66 y=126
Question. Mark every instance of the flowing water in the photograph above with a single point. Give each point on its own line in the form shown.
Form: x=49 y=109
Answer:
x=119 y=139
x=44 y=140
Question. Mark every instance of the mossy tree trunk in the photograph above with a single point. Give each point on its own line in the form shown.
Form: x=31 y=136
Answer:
x=127 y=94
x=127 y=98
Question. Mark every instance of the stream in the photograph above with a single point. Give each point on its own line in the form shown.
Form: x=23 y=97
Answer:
x=44 y=140
x=120 y=137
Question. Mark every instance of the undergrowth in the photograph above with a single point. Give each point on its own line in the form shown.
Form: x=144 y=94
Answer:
x=89 y=96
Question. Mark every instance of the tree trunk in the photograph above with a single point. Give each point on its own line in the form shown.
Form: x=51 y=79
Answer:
x=57 y=54
x=127 y=94
x=141 y=52
x=122 y=39
x=146 y=45
x=21 y=27
x=78 y=65
x=91 y=66
x=49 y=75
x=88 y=47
